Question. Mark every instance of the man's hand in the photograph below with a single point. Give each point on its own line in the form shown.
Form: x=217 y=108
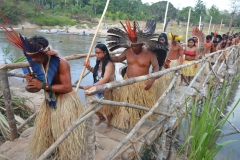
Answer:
x=149 y=84
x=29 y=76
x=195 y=65
x=34 y=84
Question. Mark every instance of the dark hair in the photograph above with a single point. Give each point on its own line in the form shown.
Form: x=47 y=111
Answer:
x=191 y=39
x=105 y=61
x=40 y=40
x=164 y=35
x=209 y=37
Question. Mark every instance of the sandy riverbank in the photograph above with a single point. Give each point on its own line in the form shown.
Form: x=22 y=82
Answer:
x=102 y=31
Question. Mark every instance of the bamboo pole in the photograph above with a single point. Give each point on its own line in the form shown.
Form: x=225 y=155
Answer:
x=90 y=49
x=67 y=132
x=220 y=27
x=90 y=133
x=141 y=121
x=165 y=18
x=8 y=104
x=209 y=25
x=115 y=104
x=189 y=15
x=68 y=58
x=199 y=25
x=27 y=121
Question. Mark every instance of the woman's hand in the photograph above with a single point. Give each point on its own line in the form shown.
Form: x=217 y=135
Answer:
x=195 y=65
x=87 y=87
x=87 y=65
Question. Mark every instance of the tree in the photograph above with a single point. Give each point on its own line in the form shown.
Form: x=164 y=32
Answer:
x=234 y=10
x=215 y=13
x=183 y=14
x=198 y=10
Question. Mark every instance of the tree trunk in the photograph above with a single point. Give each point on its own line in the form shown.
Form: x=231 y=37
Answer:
x=8 y=104
x=90 y=133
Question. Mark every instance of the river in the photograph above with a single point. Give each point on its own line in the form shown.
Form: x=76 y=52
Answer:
x=75 y=44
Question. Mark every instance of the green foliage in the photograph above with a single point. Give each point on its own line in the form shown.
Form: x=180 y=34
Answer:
x=51 y=20
x=214 y=12
x=205 y=123
x=7 y=56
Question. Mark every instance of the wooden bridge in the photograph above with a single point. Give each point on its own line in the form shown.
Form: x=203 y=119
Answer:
x=126 y=145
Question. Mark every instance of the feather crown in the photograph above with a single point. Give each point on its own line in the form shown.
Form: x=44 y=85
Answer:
x=129 y=35
x=174 y=37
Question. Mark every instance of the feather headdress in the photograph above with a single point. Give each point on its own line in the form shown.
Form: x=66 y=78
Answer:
x=174 y=37
x=30 y=46
x=134 y=35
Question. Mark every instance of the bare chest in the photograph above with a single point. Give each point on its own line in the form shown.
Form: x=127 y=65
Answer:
x=142 y=59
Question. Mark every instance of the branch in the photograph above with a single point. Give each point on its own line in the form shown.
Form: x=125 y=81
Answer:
x=27 y=121
x=118 y=104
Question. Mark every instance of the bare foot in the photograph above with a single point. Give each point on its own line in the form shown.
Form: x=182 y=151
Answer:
x=100 y=121
x=108 y=129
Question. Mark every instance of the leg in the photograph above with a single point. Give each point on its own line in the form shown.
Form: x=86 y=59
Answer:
x=101 y=118
x=109 y=126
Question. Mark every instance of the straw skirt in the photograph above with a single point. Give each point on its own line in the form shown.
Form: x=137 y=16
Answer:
x=126 y=118
x=190 y=70
x=51 y=123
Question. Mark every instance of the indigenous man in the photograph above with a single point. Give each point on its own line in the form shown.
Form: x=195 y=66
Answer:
x=175 y=55
x=221 y=46
x=61 y=106
x=139 y=59
x=209 y=48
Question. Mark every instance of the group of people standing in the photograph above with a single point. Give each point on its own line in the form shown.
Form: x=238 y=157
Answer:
x=62 y=106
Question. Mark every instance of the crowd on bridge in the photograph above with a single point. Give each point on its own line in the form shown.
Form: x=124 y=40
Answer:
x=143 y=55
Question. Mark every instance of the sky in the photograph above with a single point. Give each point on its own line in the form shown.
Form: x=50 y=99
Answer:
x=221 y=4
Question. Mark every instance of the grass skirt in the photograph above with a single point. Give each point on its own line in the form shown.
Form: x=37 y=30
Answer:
x=51 y=123
x=126 y=118
x=106 y=109
x=191 y=70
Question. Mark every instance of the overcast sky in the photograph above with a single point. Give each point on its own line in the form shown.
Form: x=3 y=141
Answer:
x=221 y=4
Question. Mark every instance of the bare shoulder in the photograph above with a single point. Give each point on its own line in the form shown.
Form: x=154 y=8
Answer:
x=63 y=64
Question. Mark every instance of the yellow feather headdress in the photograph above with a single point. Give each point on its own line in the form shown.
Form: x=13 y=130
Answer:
x=174 y=37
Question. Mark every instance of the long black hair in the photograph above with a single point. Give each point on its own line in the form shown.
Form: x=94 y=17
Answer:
x=105 y=61
x=191 y=39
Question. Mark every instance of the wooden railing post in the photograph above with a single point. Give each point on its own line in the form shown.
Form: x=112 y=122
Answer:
x=90 y=132
x=8 y=104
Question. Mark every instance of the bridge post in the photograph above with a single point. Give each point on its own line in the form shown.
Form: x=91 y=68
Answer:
x=90 y=132
x=8 y=104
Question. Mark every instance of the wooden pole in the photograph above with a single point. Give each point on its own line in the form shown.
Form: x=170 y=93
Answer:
x=199 y=25
x=141 y=121
x=90 y=49
x=209 y=25
x=213 y=27
x=8 y=104
x=220 y=27
x=165 y=18
x=90 y=133
x=189 y=15
x=27 y=121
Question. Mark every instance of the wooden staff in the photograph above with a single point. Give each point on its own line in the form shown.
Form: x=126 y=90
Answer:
x=210 y=25
x=165 y=18
x=199 y=26
x=90 y=49
x=220 y=27
x=189 y=15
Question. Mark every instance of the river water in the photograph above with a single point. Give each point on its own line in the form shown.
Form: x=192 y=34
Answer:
x=75 y=44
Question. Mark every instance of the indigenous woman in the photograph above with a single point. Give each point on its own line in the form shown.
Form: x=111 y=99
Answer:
x=191 y=55
x=103 y=72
